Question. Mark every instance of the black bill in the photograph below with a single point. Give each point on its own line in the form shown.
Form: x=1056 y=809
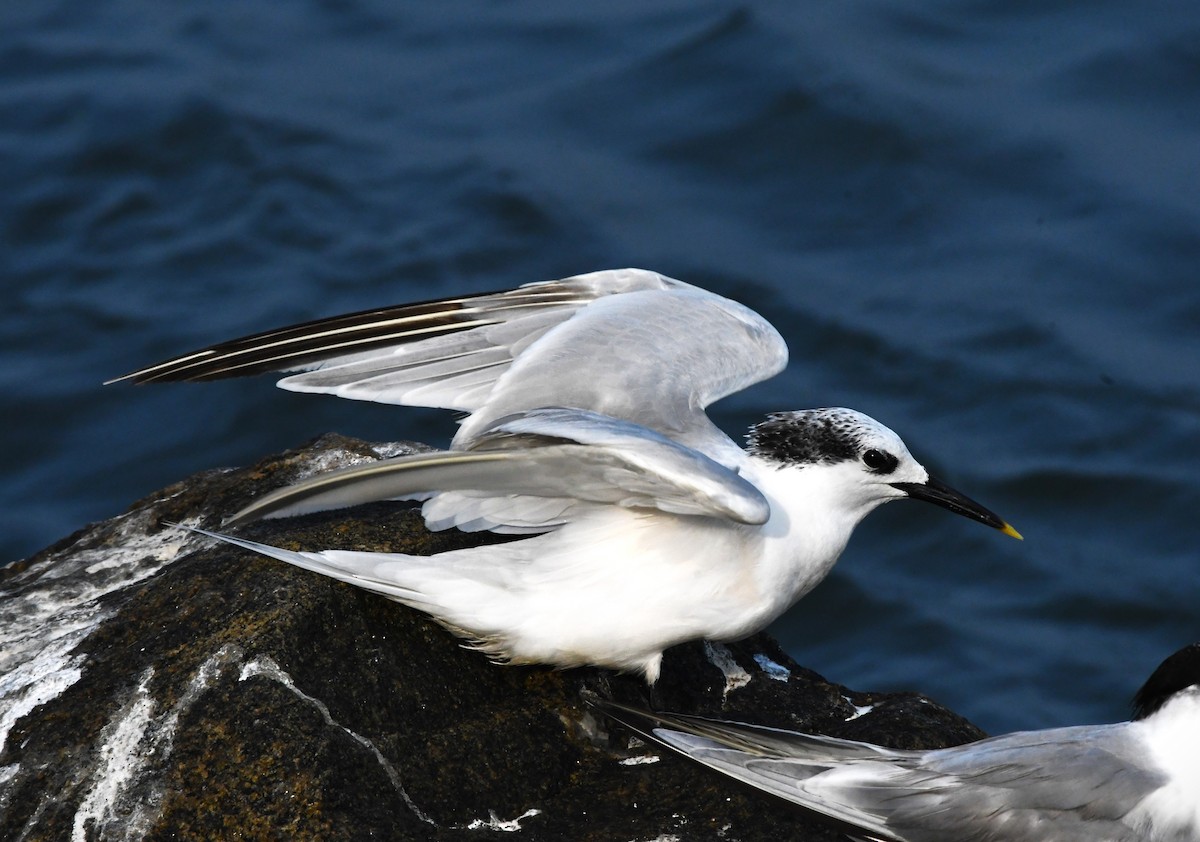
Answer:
x=937 y=492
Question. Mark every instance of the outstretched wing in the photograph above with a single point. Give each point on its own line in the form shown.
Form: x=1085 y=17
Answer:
x=628 y=343
x=561 y=455
x=427 y=341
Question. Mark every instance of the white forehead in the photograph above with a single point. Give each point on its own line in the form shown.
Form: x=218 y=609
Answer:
x=869 y=431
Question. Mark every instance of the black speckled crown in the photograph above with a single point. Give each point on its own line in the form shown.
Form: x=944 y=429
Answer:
x=808 y=437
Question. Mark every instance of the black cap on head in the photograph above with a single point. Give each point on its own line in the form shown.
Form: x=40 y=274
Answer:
x=1178 y=672
x=809 y=436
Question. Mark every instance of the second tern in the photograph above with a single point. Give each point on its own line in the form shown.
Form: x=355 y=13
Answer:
x=1136 y=781
x=585 y=431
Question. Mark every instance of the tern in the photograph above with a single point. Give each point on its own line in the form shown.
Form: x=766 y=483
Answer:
x=585 y=431
x=1136 y=781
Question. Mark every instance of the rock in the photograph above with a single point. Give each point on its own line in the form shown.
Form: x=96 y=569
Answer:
x=156 y=685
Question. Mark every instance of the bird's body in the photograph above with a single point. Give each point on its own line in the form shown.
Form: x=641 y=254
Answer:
x=613 y=588
x=1135 y=781
x=586 y=431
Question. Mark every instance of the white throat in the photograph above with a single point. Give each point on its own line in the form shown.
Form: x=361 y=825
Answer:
x=814 y=510
x=1172 y=735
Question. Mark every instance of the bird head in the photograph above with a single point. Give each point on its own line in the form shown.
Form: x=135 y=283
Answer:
x=864 y=462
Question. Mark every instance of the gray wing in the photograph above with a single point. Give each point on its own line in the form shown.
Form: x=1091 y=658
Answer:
x=1071 y=788
x=383 y=353
x=773 y=760
x=534 y=466
x=753 y=739
x=1070 y=784
x=628 y=343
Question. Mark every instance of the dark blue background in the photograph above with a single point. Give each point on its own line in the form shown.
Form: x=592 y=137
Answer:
x=978 y=222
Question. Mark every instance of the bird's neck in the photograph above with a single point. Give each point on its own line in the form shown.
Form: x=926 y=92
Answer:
x=809 y=526
x=1171 y=735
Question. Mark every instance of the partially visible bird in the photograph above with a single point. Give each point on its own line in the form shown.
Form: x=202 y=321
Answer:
x=1135 y=781
x=586 y=431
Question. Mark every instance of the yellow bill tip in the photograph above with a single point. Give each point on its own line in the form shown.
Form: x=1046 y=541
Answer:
x=1008 y=530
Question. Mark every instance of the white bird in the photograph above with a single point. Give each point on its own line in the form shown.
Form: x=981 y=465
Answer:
x=586 y=431
x=1135 y=781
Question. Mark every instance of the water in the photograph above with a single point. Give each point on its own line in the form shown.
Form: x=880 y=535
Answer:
x=976 y=221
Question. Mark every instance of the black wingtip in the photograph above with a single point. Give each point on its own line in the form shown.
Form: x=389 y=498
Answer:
x=296 y=346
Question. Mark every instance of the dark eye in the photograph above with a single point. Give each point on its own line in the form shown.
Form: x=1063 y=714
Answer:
x=879 y=462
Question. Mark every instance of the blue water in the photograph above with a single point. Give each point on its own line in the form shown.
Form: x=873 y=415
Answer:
x=976 y=221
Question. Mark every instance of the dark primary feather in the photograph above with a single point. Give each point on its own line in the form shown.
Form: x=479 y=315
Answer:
x=296 y=346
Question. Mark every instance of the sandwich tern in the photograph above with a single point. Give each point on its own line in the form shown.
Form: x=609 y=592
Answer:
x=1136 y=781
x=585 y=430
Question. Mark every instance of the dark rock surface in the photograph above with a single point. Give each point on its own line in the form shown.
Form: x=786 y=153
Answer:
x=156 y=685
